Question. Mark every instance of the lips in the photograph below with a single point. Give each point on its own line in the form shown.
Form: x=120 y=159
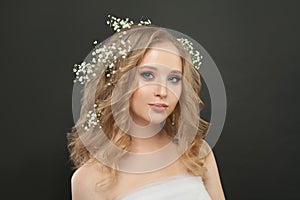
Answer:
x=159 y=105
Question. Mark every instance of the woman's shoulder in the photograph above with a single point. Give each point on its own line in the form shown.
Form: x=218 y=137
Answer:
x=84 y=181
x=211 y=178
x=84 y=173
x=205 y=150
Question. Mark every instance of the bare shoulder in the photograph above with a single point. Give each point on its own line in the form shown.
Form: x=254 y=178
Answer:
x=212 y=178
x=84 y=180
x=204 y=150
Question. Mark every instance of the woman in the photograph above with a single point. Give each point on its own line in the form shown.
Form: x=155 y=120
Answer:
x=139 y=134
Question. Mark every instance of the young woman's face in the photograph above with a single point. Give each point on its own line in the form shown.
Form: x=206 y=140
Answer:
x=159 y=78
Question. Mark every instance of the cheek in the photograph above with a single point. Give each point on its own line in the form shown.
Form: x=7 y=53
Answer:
x=139 y=95
x=175 y=92
x=174 y=98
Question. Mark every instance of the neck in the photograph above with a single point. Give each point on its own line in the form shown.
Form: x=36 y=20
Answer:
x=151 y=143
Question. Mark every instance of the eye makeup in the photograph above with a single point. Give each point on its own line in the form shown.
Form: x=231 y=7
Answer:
x=150 y=73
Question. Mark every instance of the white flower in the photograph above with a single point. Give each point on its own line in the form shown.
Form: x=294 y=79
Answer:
x=195 y=55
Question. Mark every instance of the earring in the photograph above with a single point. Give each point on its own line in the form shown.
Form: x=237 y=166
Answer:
x=173 y=119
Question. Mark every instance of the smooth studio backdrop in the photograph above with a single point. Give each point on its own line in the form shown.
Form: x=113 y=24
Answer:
x=255 y=45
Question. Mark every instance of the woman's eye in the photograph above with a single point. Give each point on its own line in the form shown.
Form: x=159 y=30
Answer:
x=147 y=75
x=175 y=79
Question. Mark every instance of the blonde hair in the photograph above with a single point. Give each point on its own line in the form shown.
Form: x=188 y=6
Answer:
x=97 y=91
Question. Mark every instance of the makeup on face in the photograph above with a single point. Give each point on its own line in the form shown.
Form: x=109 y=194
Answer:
x=159 y=78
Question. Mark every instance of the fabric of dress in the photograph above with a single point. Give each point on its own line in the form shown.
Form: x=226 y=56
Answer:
x=181 y=187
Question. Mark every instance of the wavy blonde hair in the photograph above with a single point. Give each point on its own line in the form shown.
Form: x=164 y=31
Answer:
x=97 y=91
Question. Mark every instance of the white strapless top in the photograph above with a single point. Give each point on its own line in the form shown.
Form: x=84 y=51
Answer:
x=180 y=187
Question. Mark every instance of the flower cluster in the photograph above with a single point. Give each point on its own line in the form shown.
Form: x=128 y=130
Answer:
x=107 y=55
x=83 y=72
x=195 y=55
x=91 y=120
x=118 y=24
x=144 y=23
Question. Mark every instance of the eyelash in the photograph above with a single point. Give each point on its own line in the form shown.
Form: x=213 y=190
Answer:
x=177 y=79
x=147 y=74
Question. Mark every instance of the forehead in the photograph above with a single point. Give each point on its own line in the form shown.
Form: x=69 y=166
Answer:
x=162 y=57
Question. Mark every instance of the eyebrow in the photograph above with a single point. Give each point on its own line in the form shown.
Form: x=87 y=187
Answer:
x=155 y=68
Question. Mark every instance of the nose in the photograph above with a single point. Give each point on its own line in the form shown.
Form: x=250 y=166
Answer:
x=161 y=91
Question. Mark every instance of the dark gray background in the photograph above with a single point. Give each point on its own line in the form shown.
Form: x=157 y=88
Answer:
x=255 y=45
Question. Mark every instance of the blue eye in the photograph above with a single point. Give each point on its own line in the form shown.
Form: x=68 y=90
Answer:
x=147 y=75
x=175 y=79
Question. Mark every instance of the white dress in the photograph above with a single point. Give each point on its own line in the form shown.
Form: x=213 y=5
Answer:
x=180 y=187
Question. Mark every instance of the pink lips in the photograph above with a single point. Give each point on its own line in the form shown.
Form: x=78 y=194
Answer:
x=158 y=107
